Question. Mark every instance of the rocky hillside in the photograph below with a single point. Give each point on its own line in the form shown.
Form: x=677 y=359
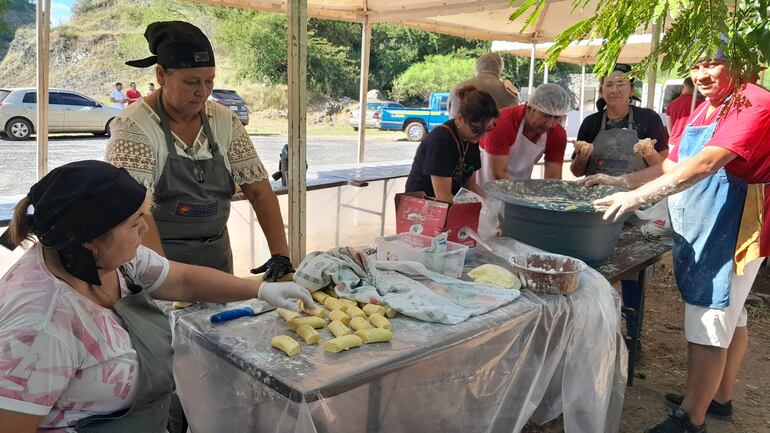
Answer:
x=19 y=13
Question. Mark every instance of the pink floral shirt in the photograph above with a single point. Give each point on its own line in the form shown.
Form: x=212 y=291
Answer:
x=61 y=355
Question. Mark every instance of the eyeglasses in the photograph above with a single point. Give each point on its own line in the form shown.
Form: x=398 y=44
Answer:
x=477 y=130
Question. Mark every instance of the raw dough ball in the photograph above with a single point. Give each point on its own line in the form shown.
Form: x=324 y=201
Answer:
x=378 y=335
x=339 y=329
x=379 y=321
x=355 y=312
x=496 y=276
x=343 y=343
x=309 y=334
x=359 y=323
x=332 y=304
x=340 y=316
x=285 y=344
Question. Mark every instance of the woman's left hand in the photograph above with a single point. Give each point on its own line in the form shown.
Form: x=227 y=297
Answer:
x=619 y=204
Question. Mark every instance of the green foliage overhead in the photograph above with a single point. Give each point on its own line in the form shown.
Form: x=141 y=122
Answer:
x=697 y=28
x=438 y=73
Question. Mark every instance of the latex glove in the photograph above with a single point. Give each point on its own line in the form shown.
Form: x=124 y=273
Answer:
x=285 y=295
x=275 y=268
x=620 y=203
x=603 y=179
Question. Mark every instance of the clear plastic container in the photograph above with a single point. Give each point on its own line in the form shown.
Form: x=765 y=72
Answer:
x=411 y=247
x=550 y=274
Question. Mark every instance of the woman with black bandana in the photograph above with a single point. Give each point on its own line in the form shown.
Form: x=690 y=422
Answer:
x=191 y=153
x=82 y=346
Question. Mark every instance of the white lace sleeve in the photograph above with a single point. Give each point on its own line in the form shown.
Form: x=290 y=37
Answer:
x=130 y=148
x=148 y=269
x=245 y=164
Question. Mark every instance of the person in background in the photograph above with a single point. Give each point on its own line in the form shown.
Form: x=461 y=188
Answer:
x=607 y=143
x=524 y=133
x=716 y=182
x=192 y=153
x=448 y=157
x=488 y=70
x=83 y=347
x=117 y=97
x=132 y=95
x=150 y=88
x=677 y=112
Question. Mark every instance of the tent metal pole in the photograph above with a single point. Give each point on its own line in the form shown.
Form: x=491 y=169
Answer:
x=531 y=71
x=366 y=39
x=297 y=92
x=43 y=25
x=582 y=88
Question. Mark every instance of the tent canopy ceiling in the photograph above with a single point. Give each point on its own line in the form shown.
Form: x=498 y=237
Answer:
x=637 y=47
x=480 y=19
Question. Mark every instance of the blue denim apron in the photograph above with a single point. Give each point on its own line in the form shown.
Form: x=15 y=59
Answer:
x=705 y=220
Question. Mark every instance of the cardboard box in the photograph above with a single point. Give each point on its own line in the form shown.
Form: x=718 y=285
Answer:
x=416 y=213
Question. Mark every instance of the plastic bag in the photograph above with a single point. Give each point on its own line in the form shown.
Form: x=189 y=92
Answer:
x=658 y=225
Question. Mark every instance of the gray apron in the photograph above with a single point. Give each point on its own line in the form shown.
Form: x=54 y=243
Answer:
x=614 y=150
x=150 y=334
x=193 y=203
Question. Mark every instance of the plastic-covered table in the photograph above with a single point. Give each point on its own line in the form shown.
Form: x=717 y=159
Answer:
x=533 y=359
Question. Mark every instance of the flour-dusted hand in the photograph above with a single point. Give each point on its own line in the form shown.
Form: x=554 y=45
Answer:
x=285 y=295
x=583 y=150
x=603 y=179
x=619 y=204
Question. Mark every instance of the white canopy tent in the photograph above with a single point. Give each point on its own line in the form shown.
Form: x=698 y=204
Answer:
x=478 y=19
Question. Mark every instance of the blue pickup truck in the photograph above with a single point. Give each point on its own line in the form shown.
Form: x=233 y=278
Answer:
x=416 y=122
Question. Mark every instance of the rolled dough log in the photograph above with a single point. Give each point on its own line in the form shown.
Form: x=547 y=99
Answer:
x=343 y=343
x=285 y=344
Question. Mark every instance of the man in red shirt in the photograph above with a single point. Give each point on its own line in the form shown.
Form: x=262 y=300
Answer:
x=678 y=111
x=132 y=95
x=524 y=133
x=715 y=180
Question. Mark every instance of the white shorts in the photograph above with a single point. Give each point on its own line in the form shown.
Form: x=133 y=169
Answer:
x=715 y=326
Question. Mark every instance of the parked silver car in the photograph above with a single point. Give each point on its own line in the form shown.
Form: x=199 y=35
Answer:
x=68 y=111
x=372 y=113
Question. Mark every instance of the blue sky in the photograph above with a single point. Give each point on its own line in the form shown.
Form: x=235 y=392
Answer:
x=61 y=11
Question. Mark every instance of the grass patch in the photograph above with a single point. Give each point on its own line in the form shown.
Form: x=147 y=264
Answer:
x=758 y=311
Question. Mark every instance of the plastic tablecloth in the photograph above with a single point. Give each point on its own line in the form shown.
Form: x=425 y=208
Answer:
x=533 y=359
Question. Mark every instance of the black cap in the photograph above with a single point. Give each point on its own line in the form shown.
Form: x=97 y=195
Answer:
x=176 y=45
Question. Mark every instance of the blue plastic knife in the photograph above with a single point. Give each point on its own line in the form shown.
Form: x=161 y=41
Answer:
x=235 y=313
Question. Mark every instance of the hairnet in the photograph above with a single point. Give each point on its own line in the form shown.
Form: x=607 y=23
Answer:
x=550 y=99
x=489 y=62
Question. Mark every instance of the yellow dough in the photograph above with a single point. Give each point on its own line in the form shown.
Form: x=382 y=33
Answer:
x=287 y=315
x=359 y=323
x=349 y=302
x=319 y=296
x=343 y=343
x=390 y=312
x=309 y=334
x=312 y=321
x=285 y=344
x=580 y=145
x=332 y=304
x=641 y=144
x=340 y=316
x=496 y=276
x=355 y=312
x=338 y=329
x=379 y=321
x=178 y=305
x=378 y=335
x=370 y=309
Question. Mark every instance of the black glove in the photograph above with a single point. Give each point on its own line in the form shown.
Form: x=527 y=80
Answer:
x=275 y=268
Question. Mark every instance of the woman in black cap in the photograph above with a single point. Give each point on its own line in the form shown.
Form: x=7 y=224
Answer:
x=82 y=346
x=192 y=152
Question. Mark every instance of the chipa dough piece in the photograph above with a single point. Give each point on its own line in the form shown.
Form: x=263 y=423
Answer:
x=340 y=316
x=379 y=321
x=312 y=321
x=359 y=323
x=349 y=302
x=287 y=315
x=320 y=296
x=390 y=312
x=332 y=304
x=377 y=335
x=338 y=329
x=370 y=309
x=343 y=343
x=355 y=312
x=285 y=344
x=496 y=276
x=309 y=334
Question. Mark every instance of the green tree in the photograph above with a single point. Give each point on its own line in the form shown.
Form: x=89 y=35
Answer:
x=437 y=73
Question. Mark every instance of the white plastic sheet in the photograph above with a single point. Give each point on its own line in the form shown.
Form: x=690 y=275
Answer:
x=534 y=358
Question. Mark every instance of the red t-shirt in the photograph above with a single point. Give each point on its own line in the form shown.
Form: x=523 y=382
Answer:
x=499 y=140
x=132 y=94
x=745 y=132
x=678 y=111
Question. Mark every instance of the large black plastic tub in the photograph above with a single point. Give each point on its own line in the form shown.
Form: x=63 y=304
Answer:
x=557 y=216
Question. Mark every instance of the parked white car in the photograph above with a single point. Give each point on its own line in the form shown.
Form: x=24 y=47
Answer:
x=68 y=111
x=372 y=113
